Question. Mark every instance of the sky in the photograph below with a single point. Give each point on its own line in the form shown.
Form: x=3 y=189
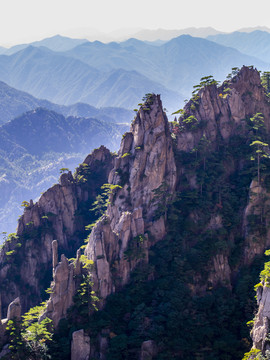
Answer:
x=30 y=20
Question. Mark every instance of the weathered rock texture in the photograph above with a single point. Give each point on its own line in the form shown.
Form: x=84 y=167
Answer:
x=142 y=176
x=13 y=313
x=145 y=162
x=14 y=310
x=26 y=261
x=260 y=329
x=223 y=114
x=63 y=287
x=148 y=350
x=80 y=346
x=257 y=239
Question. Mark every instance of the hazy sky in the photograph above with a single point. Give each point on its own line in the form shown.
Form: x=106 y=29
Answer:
x=29 y=20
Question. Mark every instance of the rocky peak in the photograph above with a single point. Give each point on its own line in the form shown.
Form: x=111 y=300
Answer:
x=144 y=163
x=102 y=154
x=221 y=111
x=145 y=159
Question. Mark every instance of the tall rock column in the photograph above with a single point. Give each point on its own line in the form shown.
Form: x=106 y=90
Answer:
x=63 y=286
x=144 y=164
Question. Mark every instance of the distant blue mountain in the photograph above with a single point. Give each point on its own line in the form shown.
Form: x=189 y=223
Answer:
x=14 y=102
x=54 y=43
x=42 y=131
x=66 y=80
x=178 y=64
x=118 y=74
x=256 y=43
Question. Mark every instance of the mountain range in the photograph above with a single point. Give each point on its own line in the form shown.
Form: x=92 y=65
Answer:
x=117 y=74
x=150 y=35
x=65 y=80
x=256 y=43
x=14 y=102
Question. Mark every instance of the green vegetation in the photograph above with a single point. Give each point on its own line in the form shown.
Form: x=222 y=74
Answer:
x=265 y=273
x=135 y=248
x=162 y=198
x=265 y=78
x=25 y=204
x=63 y=170
x=125 y=155
x=30 y=338
x=102 y=201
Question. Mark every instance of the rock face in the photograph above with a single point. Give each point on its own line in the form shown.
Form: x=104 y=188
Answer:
x=13 y=313
x=142 y=180
x=260 y=329
x=14 y=310
x=258 y=205
x=148 y=350
x=26 y=260
x=80 y=346
x=145 y=163
x=63 y=287
x=223 y=113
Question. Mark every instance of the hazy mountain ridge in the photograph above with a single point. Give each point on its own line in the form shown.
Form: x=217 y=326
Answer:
x=255 y=43
x=54 y=43
x=178 y=64
x=118 y=74
x=14 y=102
x=65 y=80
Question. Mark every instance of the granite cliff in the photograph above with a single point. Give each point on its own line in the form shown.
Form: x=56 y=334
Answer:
x=171 y=260
x=57 y=215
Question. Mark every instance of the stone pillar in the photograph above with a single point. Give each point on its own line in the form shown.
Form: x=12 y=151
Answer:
x=148 y=350
x=78 y=263
x=54 y=254
x=80 y=346
x=14 y=309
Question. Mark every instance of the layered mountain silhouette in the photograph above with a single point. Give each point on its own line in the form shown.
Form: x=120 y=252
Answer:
x=14 y=102
x=65 y=80
x=177 y=64
x=255 y=43
x=117 y=74
x=55 y=43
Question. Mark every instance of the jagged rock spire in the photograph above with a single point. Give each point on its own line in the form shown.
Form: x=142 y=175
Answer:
x=54 y=254
x=145 y=161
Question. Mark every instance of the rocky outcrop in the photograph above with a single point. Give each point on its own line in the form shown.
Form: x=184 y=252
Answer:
x=256 y=222
x=260 y=329
x=145 y=163
x=148 y=350
x=63 y=286
x=142 y=181
x=80 y=346
x=220 y=271
x=221 y=111
x=14 y=310
x=14 y=314
x=26 y=259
